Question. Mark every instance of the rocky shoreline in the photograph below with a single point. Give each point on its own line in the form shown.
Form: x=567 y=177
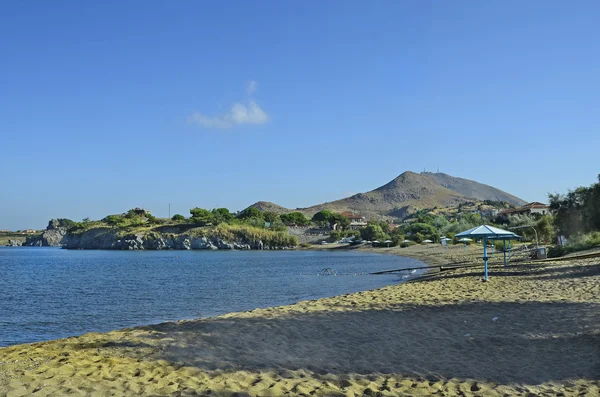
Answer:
x=106 y=238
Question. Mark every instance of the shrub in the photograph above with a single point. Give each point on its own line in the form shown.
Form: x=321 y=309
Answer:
x=114 y=220
x=178 y=218
x=499 y=246
x=576 y=243
x=556 y=251
x=252 y=235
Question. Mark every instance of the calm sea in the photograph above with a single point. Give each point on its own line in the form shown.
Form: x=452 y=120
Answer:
x=49 y=293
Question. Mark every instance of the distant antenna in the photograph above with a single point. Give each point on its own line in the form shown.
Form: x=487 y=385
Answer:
x=438 y=169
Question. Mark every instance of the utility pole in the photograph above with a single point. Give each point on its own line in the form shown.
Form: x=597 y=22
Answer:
x=169 y=210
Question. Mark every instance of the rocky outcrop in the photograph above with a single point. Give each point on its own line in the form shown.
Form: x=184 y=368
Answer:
x=53 y=236
x=14 y=243
x=106 y=238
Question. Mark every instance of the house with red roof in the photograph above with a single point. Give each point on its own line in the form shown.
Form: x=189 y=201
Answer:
x=528 y=209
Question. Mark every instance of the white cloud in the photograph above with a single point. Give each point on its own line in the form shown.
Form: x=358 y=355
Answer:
x=240 y=113
x=251 y=87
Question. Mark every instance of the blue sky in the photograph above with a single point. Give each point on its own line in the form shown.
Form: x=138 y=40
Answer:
x=105 y=106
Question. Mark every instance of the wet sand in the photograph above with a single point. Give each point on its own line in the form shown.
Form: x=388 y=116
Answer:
x=533 y=329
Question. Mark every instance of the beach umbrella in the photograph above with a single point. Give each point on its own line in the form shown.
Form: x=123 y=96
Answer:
x=427 y=241
x=388 y=242
x=444 y=241
x=487 y=232
x=464 y=240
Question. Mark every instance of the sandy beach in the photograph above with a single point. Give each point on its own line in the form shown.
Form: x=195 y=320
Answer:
x=532 y=330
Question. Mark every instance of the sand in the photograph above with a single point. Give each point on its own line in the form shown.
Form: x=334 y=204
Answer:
x=532 y=330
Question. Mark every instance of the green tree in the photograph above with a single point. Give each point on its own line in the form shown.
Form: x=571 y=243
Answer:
x=270 y=216
x=221 y=215
x=545 y=228
x=201 y=216
x=178 y=218
x=417 y=237
x=250 y=212
x=340 y=220
x=423 y=228
x=578 y=211
x=322 y=216
x=335 y=235
x=372 y=232
x=294 y=218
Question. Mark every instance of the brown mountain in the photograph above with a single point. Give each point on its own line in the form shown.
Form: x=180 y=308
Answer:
x=473 y=189
x=265 y=206
x=407 y=192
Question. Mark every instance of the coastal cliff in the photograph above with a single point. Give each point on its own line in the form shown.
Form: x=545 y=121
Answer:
x=181 y=237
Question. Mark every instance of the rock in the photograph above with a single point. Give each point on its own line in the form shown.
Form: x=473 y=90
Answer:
x=200 y=243
x=241 y=246
x=14 y=243
x=223 y=245
x=53 y=236
x=157 y=239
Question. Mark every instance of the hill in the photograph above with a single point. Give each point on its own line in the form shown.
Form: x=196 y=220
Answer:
x=405 y=193
x=265 y=206
x=473 y=189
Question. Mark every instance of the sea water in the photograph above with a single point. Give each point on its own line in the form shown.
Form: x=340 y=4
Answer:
x=50 y=293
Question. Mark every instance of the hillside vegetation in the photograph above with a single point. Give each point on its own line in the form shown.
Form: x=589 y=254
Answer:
x=248 y=227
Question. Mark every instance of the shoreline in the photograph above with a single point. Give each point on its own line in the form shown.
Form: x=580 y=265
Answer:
x=435 y=336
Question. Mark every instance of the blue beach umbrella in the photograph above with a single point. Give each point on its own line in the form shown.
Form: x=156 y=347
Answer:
x=488 y=233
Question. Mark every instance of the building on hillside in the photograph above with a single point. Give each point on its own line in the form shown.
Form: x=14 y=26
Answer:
x=489 y=213
x=356 y=221
x=528 y=209
x=4 y=231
